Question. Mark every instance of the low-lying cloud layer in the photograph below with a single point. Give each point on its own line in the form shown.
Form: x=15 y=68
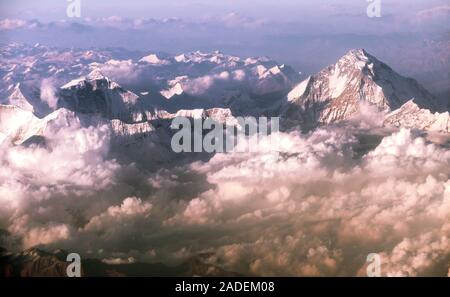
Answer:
x=311 y=207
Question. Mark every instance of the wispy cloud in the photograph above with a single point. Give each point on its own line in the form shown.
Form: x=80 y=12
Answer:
x=434 y=12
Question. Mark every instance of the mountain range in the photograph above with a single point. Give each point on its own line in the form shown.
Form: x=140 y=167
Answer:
x=227 y=86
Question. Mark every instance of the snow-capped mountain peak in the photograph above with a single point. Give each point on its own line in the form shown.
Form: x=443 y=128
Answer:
x=81 y=81
x=154 y=60
x=175 y=90
x=181 y=58
x=96 y=93
x=97 y=81
x=334 y=94
x=96 y=74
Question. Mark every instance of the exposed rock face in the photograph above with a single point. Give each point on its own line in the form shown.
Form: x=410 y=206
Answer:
x=96 y=94
x=38 y=263
x=33 y=263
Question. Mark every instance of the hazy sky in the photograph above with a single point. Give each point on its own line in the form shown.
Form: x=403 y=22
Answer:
x=288 y=10
x=305 y=34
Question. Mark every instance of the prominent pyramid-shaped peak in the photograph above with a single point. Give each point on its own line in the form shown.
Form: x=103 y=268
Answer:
x=18 y=98
x=94 y=77
x=335 y=93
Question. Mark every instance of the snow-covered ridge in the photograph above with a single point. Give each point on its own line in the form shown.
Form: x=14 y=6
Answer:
x=220 y=115
x=18 y=125
x=413 y=117
x=215 y=58
x=120 y=128
x=299 y=90
x=175 y=90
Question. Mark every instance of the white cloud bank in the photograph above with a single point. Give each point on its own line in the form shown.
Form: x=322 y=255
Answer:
x=48 y=94
x=310 y=208
x=304 y=212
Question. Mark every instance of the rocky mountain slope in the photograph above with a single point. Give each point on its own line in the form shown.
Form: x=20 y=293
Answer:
x=35 y=262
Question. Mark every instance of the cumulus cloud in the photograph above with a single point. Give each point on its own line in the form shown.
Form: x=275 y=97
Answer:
x=235 y=20
x=124 y=71
x=311 y=207
x=36 y=180
x=12 y=24
x=221 y=82
x=200 y=85
x=430 y=13
x=423 y=253
x=118 y=261
x=9 y=24
x=130 y=23
x=48 y=93
x=301 y=211
x=402 y=151
x=33 y=236
x=130 y=207
x=368 y=116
